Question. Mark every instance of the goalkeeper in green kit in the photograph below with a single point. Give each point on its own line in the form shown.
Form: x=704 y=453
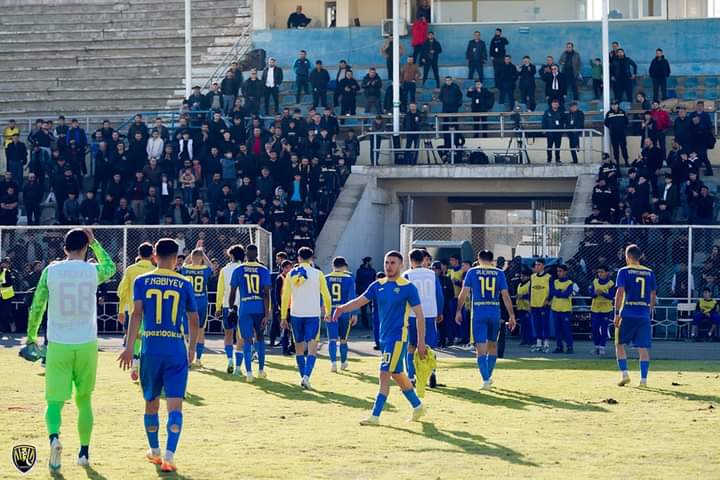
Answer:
x=67 y=289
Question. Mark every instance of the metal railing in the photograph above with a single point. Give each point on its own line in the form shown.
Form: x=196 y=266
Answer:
x=385 y=144
x=240 y=48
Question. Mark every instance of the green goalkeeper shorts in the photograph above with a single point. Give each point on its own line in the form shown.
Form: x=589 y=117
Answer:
x=67 y=365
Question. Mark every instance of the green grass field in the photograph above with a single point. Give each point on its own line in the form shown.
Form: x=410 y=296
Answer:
x=544 y=419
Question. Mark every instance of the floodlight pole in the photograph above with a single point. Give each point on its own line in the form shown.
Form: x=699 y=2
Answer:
x=396 y=66
x=606 y=71
x=188 y=47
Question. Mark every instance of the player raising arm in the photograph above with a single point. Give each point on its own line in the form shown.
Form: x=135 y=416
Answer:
x=161 y=297
x=67 y=289
x=393 y=295
x=487 y=284
x=635 y=300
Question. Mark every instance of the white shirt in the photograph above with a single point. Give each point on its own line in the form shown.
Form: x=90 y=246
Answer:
x=226 y=274
x=667 y=189
x=425 y=281
x=555 y=85
x=305 y=298
x=270 y=80
x=155 y=147
x=72 y=307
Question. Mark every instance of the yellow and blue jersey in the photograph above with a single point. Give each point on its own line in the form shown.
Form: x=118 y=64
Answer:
x=394 y=300
x=561 y=293
x=199 y=276
x=639 y=284
x=706 y=307
x=251 y=279
x=166 y=297
x=539 y=289
x=341 y=286
x=456 y=276
x=603 y=295
x=522 y=303
x=486 y=285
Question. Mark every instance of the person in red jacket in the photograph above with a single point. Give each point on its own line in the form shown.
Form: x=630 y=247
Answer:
x=662 y=123
x=419 y=35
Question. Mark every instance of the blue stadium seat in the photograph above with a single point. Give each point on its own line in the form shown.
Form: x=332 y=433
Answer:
x=647 y=83
x=468 y=84
x=690 y=95
x=626 y=106
x=425 y=96
x=586 y=95
x=499 y=107
x=436 y=107
x=710 y=94
x=672 y=82
x=711 y=82
x=691 y=82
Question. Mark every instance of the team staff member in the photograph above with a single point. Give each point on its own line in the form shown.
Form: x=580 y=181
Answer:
x=540 y=306
x=602 y=291
x=7 y=294
x=522 y=306
x=562 y=290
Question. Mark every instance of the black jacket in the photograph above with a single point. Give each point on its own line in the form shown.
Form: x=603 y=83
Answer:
x=575 y=120
x=617 y=122
x=507 y=75
x=413 y=122
x=481 y=101
x=253 y=88
x=659 y=68
x=16 y=152
x=623 y=68
x=497 y=47
x=319 y=79
x=278 y=75
x=527 y=76
x=430 y=51
x=451 y=98
x=683 y=131
x=553 y=119
x=372 y=86
x=476 y=53
x=562 y=85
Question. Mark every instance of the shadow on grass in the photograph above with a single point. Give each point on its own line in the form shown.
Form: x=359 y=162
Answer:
x=606 y=364
x=467 y=442
x=291 y=391
x=195 y=400
x=693 y=397
x=93 y=474
x=498 y=397
x=177 y=475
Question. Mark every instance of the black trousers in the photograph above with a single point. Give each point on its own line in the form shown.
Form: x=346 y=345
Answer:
x=6 y=315
x=527 y=95
x=476 y=67
x=302 y=85
x=32 y=211
x=619 y=143
x=273 y=93
x=623 y=87
x=319 y=98
x=574 y=145
x=434 y=67
x=554 y=140
x=411 y=141
x=348 y=104
x=659 y=85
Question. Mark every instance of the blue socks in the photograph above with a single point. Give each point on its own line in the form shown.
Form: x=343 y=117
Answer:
x=152 y=426
x=492 y=359
x=228 y=351
x=622 y=364
x=343 y=352
x=260 y=349
x=482 y=362
x=199 y=349
x=309 y=365
x=410 y=365
x=174 y=427
x=412 y=397
x=332 y=350
x=300 y=360
x=644 y=367
x=379 y=404
x=238 y=359
x=247 y=352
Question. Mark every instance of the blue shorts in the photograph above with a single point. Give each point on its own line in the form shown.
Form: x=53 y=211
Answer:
x=484 y=329
x=251 y=324
x=431 y=336
x=635 y=330
x=393 y=357
x=163 y=372
x=305 y=329
x=228 y=323
x=202 y=305
x=340 y=329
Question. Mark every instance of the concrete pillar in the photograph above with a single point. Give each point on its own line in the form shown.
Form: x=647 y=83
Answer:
x=343 y=13
x=259 y=14
x=461 y=217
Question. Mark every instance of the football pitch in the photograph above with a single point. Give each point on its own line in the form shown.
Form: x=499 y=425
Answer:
x=544 y=419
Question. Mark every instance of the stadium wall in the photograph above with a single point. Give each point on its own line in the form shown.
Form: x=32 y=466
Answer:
x=690 y=45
